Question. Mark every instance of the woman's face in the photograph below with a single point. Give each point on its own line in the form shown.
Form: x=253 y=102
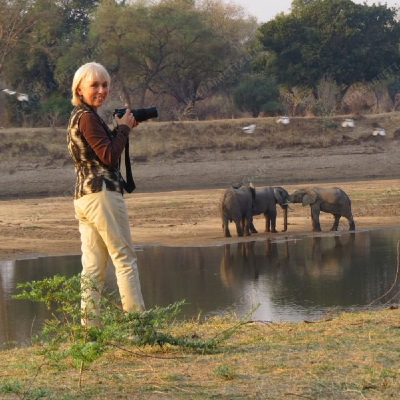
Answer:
x=94 y=91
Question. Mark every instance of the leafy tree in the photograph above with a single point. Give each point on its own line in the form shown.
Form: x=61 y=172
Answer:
x=31 y=67
x=171 y=50
x=74 y=44
x=56 y=110
x=299 y=4
x=15 y=22
x=257 y=93
x=338 y=38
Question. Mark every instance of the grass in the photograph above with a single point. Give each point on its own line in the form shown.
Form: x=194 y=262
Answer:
x=350 y=356
x=177 y=139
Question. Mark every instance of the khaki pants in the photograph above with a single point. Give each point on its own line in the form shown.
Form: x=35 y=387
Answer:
x=104 y=229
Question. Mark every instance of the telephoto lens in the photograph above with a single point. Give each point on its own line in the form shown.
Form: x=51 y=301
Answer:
x=140 y=114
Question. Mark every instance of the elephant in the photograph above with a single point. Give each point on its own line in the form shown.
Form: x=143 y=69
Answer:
x=330 y=200
x=236 y=205
x=265 y=203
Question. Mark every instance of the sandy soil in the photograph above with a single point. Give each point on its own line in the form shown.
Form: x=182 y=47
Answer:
x=176 y=202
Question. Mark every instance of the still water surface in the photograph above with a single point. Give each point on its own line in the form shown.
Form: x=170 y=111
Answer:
x=293 y=280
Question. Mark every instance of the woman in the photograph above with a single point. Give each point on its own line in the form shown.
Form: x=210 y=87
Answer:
x=99 y=205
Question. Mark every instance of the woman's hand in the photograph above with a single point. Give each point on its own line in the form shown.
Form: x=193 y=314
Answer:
x=127 y=119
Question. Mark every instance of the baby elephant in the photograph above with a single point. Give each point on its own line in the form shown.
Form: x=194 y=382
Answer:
x=331 y=200
x=236 y=205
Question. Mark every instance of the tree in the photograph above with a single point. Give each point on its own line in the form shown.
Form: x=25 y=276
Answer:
x=299 y=4
x=338 y=38
x=172 y=49
x=15 y=21
x=31 y=67
x=257 y=93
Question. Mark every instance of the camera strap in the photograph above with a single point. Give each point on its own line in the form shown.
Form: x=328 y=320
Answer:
x=129 y=185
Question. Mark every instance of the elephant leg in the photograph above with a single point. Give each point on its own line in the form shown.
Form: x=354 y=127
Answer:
x=267 y=222
x=272 y=219
x=349 y=216
x=252 y=227
x=239 y=227
x=225 y=227
x=315 y=211
x=352 y=225
x=246 y=221
x=336 y=222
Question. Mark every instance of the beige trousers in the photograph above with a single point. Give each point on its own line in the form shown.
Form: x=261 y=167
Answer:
x=104 y=228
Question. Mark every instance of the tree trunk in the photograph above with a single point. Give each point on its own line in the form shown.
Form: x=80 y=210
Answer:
x=189 y=112
x=125 y=92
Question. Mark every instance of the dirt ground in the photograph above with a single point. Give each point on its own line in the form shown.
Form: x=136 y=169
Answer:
x=176 y=202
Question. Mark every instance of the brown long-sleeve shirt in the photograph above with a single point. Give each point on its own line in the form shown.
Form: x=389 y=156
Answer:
x=108 y=151
x=95 y=152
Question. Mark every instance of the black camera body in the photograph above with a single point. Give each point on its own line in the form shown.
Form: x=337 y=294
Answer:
x=140 y=114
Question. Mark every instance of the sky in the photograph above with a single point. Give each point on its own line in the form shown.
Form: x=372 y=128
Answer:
x=265 y=10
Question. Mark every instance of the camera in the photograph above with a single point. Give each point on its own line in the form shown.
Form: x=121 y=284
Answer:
x=140 y=114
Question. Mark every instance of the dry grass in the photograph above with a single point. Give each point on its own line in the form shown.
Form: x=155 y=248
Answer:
x=173 y=139
x=347 y=357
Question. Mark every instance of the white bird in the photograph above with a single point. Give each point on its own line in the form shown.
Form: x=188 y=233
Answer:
x=379 y=132
x=348 y=123
x=20 y=96
x=249 y=129
x=8 y=91
x=283 y=120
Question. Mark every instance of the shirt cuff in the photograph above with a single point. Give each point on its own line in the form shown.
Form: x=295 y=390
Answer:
x=124 y=129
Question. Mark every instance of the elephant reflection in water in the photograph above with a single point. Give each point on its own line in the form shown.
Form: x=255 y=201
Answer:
x=244 y=262
x=271 y=251
x=330 y=261
x=238 y=265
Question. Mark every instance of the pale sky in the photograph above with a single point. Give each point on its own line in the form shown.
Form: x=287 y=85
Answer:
x=265 y=10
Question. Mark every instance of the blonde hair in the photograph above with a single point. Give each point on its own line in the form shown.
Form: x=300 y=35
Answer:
x=91 y=70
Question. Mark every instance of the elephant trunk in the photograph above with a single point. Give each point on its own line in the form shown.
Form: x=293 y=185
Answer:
x=285 y=212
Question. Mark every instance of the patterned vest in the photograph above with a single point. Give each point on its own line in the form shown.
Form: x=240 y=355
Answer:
x=90 y=171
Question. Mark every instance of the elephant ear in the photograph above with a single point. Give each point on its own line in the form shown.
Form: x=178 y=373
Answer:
x=310 y=198
x=281 y=196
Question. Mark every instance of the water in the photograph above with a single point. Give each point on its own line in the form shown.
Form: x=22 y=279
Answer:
x=297 y=279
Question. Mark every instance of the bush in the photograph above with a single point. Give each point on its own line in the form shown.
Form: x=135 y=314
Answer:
x=257 y=93
x=55 y=111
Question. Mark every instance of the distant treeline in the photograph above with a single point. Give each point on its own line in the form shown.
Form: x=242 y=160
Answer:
x=199 y=59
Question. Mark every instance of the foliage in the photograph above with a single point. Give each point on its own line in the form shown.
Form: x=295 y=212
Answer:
x=175 y=53
x=56 y=110
x=328 y=96
x=224 y=371
x=15 y=22
x=257 y=93
x=173 y=49
x=65 y=337
x=347 y=41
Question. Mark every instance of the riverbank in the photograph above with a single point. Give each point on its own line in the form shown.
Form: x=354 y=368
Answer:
x=343 y=357
x=47 y=226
